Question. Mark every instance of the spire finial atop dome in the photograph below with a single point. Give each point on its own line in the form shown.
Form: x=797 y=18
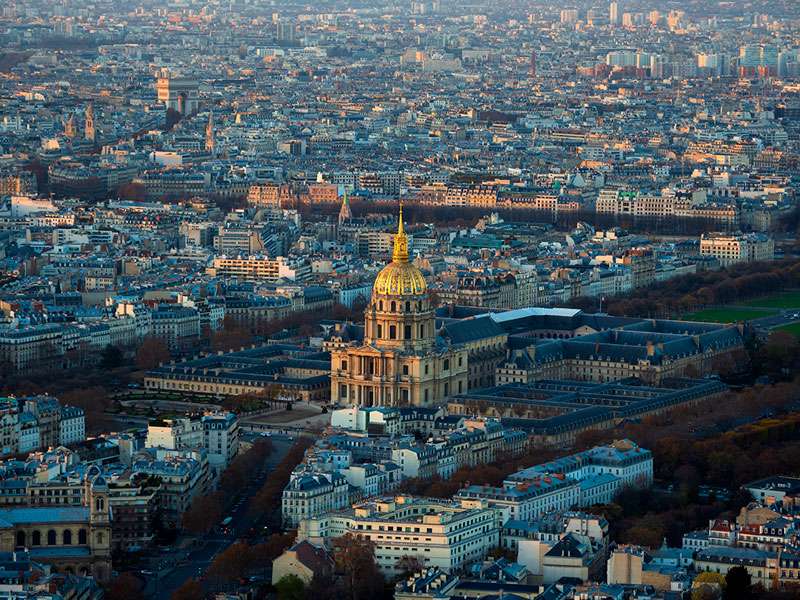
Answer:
x=400 y=252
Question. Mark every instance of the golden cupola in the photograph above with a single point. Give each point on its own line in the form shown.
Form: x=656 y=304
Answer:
x=400 y=277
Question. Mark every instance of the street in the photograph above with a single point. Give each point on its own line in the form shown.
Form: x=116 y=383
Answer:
x=785 y=317
x=192 y=563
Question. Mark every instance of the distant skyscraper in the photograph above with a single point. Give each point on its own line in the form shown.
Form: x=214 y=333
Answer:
x=753 y=57
x=613 y=14
x=532 y=67
x=657 y=66
x=88 y=128
x=569 y=15
x=285 y=30
x=784 y=58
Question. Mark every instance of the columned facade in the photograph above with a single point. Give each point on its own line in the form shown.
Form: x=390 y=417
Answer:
x=401 y=362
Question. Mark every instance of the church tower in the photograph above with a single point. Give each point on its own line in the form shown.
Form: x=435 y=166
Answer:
x=96 y=498
x=401 y=362
x=345 y=214
x=210 y=141
x=69 y=127
x=88 y=127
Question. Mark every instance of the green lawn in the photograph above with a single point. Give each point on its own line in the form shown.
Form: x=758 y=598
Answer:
x=728 y=315
x=793 y=328
x=789 y=299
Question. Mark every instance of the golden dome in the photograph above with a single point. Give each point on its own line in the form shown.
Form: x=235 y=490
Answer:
x=400 y=277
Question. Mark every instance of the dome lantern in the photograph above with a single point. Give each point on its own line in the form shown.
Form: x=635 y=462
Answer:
x=400 y=277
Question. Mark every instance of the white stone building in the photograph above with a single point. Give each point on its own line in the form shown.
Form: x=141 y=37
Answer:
x=442 y=534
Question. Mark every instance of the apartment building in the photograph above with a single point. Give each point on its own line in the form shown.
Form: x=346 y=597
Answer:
x=9 y=426
x=439 y=533
x=183 y=474
x=323 y=193
x=268 y=195
x=311 y=494
x=220 y=439
x=735 y=248
x=175 y=434
x=38 y=346
x=261 y=268
x=177 y=326
x=47 y=411
x=235 y=240
x=601 y=471
x=72 y=426
x=215 y=432
x=527 y=500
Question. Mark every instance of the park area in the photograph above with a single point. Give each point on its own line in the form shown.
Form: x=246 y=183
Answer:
x=780 y=300
x=757 y=308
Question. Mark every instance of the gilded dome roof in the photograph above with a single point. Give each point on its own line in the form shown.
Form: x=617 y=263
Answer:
x=400 y=277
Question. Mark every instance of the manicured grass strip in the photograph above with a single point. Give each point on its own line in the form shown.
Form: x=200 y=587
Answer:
x=793 y=328
x=790 y=299
x=728 y=315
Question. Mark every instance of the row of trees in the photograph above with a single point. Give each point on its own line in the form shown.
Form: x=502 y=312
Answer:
x=266 y=504
x=242 y=559
x=460 y=216
x=208 y=510
x=686 y=293
x=234 y=335
x=721 y=442
x=356 y=575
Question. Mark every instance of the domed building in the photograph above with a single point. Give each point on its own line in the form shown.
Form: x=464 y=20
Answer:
x=401 y=361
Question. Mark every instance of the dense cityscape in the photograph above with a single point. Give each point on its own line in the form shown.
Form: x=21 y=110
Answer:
x=418 y=300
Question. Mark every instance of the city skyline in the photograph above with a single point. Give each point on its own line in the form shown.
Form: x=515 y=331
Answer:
x=408 y=300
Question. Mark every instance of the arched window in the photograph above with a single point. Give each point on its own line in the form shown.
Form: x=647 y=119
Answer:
x=380 y=305
x=82 y=537
x=66 y=537
x=51 y=537
x=36 y=538
x=394 y=306
x=21 y=539
x=99 y=504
